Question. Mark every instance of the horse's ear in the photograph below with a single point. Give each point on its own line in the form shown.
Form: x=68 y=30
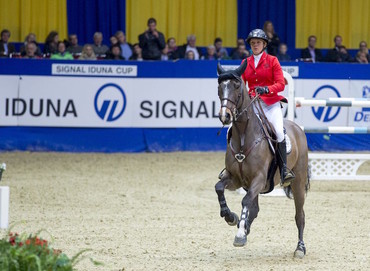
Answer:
x=220 y=70
x=240 y=70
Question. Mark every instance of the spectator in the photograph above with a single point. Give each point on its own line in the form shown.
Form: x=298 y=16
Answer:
x=273 y=38
x=113 y=40
x=361 y=57
x=6 y=48
x=173 y=52
x=190 y=46
x=98 y=47
x=31 y=37
x=241 y=52
x=239 y=41
x=115 y=52
x=74 y=48
x=31 y=51
x=137 y=54
x=333 y=55
x=221 y=52
x=344 y=56
x=88 y=53
x=51 y=43
x=126 y=48
x=189 y=55
x=211 y=53
x=363 y=48
x=152 y=41
x=62 y=53
x=311 y=52
x=282 y=54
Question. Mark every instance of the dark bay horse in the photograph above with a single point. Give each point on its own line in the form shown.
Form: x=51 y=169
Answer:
x=249 y=162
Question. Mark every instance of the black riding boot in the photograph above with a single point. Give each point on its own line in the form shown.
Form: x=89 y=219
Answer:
x=287 y=176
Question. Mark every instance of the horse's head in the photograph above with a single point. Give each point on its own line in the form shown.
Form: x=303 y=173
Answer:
x=230 y=92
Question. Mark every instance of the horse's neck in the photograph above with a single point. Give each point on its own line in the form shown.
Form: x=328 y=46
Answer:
x=246 y=128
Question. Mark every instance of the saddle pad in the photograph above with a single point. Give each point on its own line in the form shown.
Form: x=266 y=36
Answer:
x=288 y=144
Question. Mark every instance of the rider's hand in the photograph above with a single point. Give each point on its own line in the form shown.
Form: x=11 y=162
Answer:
x=262 y=90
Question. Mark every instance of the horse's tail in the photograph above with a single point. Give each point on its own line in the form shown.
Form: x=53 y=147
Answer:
x=288 y=189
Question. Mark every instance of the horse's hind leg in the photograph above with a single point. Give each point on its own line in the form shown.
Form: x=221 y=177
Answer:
x=299 y=192
x=230 y=217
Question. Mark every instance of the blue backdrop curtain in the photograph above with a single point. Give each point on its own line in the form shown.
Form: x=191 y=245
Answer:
x=252 y=14
x=87 y=17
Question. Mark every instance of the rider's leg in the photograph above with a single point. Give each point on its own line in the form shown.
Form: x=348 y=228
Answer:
x=275 y=116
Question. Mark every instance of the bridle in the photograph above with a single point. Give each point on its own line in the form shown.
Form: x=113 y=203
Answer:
x=234 y=109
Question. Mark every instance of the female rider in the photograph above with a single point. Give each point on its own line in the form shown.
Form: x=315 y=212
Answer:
x=265 y=77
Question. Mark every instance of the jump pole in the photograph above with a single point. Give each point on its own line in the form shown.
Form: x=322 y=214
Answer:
x=4 y=207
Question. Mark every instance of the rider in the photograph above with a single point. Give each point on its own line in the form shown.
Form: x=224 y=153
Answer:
x=265 y=77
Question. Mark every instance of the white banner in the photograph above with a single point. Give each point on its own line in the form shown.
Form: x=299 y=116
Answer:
x=67 y=101
x=113 y=102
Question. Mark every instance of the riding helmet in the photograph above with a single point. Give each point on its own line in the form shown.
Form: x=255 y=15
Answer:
x=257 y=34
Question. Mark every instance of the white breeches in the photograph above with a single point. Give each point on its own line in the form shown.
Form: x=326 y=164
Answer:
x=275 y=116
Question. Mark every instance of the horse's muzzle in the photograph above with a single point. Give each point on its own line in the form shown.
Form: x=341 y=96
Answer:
x=225 y=116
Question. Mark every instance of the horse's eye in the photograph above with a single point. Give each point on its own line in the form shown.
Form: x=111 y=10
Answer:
x=236 y=84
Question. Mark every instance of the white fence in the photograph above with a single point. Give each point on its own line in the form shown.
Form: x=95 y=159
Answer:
x=331 y=166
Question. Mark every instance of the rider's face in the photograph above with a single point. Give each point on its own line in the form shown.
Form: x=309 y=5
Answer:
x=257 y=46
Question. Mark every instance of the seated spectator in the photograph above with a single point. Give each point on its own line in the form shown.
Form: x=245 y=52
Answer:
x=221 y=52
x=361 y=57
x=274 y=40
x=241 y=52
x=31 y=51
x=113 y=40
x=211 y=53
x=282 y=54
x=73 y=47
x=31 y=37
x=137 y=54
x=115 y=53
x=152 y=41
x=51 y=43
x=189 y=55
x=363 y=48
x=87 y=53
x=238 y=42
x=98 y=46
x=190 y=46
x=333 y=55
x=6 y=48
x=62 y=53
x=172 y=49
x=126 y=48
x=344 y=56
x=311 y=52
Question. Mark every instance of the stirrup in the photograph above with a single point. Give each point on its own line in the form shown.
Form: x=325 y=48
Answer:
x=287 y=177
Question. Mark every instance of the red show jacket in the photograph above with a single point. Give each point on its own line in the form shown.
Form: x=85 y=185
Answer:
x=268 y=73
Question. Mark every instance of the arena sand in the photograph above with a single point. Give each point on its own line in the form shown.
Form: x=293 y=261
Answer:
x=159 y=211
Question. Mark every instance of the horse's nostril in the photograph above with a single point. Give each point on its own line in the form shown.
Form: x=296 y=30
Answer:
x=227 y=116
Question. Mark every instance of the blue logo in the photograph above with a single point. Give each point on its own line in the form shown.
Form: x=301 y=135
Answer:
x=110 y=102
x=325 y=113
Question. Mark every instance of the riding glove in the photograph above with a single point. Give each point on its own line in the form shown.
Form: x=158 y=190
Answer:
x=262 y=90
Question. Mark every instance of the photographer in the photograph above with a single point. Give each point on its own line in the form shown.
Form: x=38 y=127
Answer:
x=152 y=42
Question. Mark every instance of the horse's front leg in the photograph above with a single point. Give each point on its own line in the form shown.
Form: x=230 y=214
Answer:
x=230 y=217
x=250 y=210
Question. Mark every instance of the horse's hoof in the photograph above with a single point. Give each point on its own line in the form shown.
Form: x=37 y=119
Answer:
x=298 y=254
x=300 y=250
x=240 y=241
x=235 y=219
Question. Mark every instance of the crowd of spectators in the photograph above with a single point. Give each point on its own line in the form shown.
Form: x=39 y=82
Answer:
x=152 y=45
